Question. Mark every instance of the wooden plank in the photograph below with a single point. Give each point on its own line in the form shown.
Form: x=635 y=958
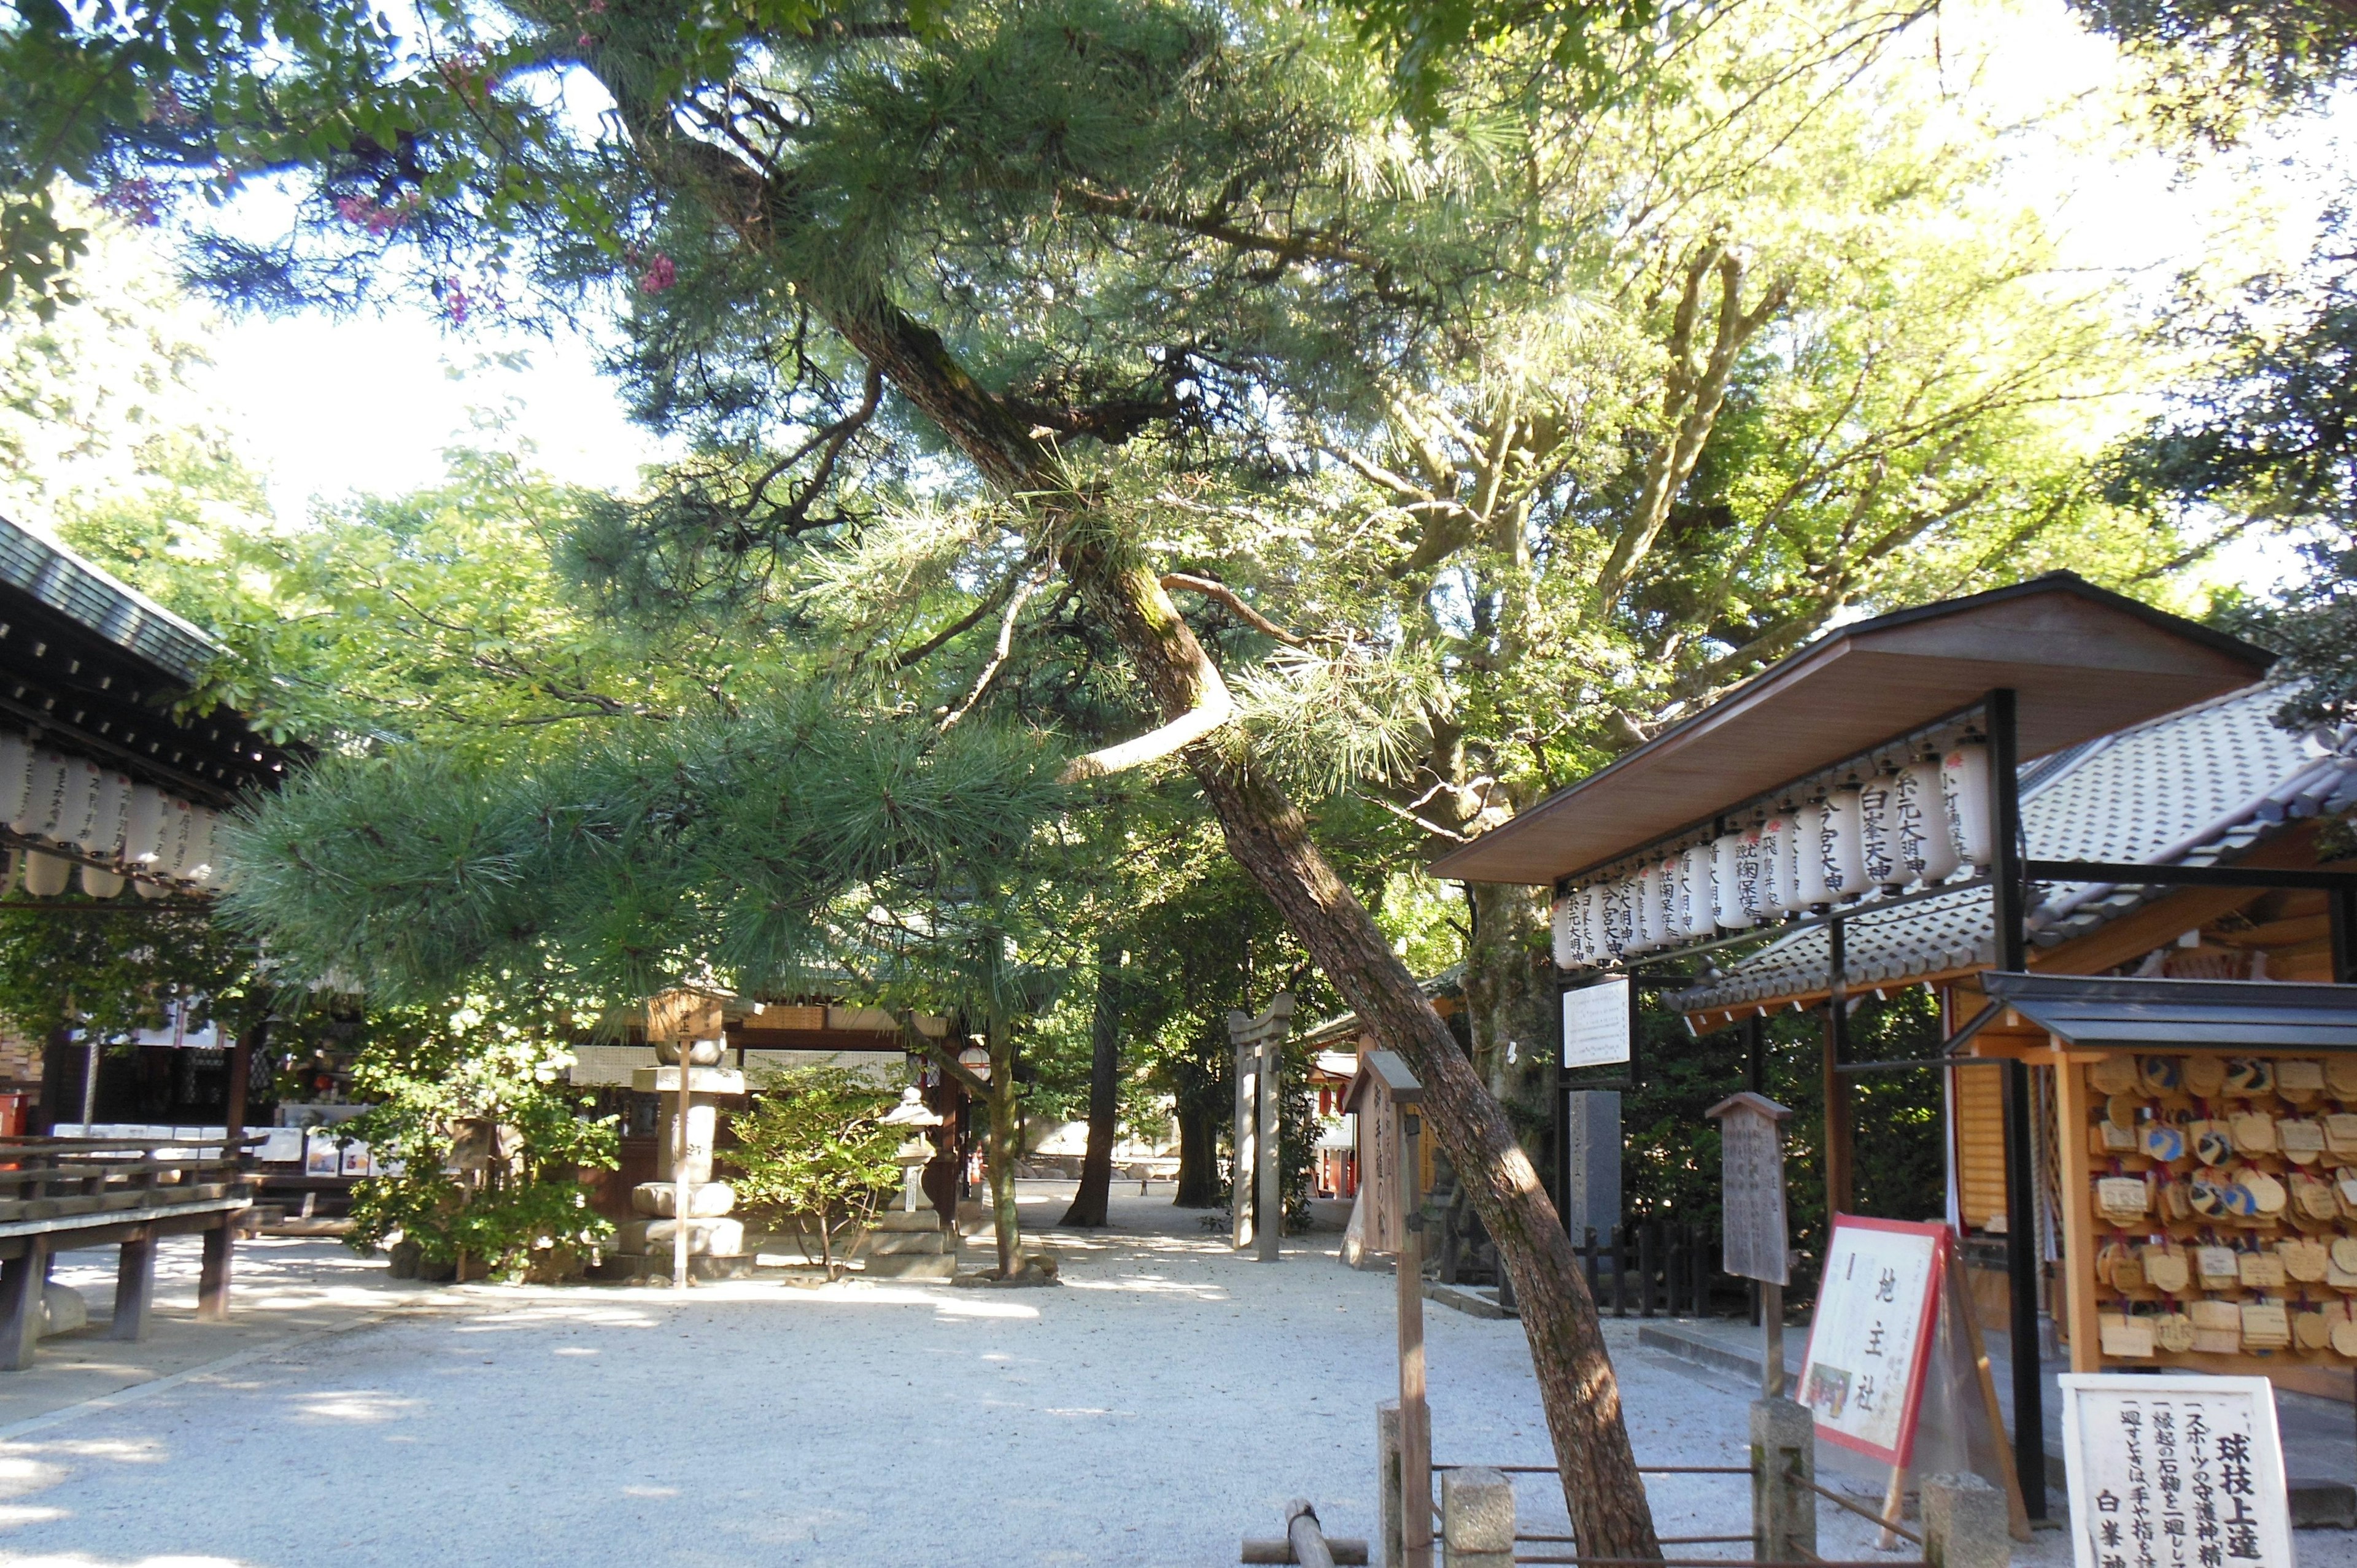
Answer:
x=2071 y=1106
x=110 y=1218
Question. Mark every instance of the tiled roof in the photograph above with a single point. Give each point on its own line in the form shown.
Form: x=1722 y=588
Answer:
x=2195 y=787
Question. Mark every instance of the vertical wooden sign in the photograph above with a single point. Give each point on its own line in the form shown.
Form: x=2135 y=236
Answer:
x=1260 y=1053
x=1756 y=1245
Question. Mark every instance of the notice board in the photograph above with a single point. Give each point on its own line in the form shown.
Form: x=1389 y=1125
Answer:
x=1869 y=1342
x=1596 y=1024
x=2174 y=1472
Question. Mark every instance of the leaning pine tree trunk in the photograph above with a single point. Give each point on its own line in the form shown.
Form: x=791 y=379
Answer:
x=1267 y=835
x=1602 y=1490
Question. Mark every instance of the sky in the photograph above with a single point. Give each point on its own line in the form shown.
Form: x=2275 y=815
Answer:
x=327 y=406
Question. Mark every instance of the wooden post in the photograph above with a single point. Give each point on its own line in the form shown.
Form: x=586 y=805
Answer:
x=1755 y=1243
x=1771 y=1335
x=683 y=1195
x=2010 y=905
x=20 y=1303
x=212 y=1273
x=1841 y=1181
x=135 y=1289
x=1416 y=1414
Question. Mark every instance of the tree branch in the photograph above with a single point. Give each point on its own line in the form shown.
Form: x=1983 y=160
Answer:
x=1210 y=588
x=1030 y=586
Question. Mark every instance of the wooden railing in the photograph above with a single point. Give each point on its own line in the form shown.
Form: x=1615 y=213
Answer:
x=94 y=1180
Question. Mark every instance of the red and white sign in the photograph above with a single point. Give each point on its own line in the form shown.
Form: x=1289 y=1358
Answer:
x=1872 y=1335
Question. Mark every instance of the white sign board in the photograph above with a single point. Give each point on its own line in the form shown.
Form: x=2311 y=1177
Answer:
x=1863 y=1378
x=1596 y=1024
x=2174 y=1472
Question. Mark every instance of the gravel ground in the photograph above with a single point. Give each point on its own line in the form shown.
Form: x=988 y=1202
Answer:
x=1167 y=1398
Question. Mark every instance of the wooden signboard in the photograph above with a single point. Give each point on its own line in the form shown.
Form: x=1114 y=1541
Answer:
x=2174 y=1472
x=1756 y=1245
x=1379 y=1162
x=684 y=1016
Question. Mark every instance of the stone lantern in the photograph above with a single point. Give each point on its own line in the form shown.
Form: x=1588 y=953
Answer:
x=911 y=1242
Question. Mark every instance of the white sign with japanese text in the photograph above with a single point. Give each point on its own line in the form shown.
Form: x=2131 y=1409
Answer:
x=1862 y=1379
x=2174 y=1472
x=1596 y=1024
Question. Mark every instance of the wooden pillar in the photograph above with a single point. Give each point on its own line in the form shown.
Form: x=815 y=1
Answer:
x=135 y=1289
x=2078 y=1227
x=2009 y=901
x=1841 y=1122
x=1246 y=1159
x=213 y=1274
x=21 y=1279
x=1415 y=1413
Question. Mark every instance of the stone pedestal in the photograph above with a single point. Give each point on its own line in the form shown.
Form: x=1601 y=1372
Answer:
x=643 y=1248
x=906 y=1246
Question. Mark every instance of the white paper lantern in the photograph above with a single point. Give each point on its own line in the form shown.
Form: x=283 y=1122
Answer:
x=1810 y=888
x=1965 y=785
x=1878 y=830
x=1619 y=906
x=1727 y=853
x=1774 y=897
x=1844 y=842
x=1702 y=897
x=149 y=889
x=1567 y=954
x=46 y=875
x=102 y=834
x=1650 y=932
x=143 y=826
x=201 y=864
x=85 y=801
x=1589 y=902
x=101 y=884
x=45 y=795
x=16 y=775
x=1925 y=845
x=1673 y=874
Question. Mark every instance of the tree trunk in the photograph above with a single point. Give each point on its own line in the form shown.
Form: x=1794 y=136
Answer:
x=1509 y=1003
x=1003 y=1153
x=1198 y=1158
x=1267 y=835
x=1089 y=1203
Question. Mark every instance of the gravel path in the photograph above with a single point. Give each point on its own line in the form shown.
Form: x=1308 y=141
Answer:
x=1163 y=1401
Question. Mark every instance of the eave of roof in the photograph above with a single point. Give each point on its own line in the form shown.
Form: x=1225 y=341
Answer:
x=2111 y=1011
x=2084 y=660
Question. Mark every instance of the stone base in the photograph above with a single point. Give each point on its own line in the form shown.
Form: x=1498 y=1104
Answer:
x=912 y=1266
x=720 y=1238
x=656 y=1199
x=647 y=1268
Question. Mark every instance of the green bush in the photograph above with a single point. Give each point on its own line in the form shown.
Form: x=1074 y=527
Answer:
x=427 y=1078
x=815 y=1153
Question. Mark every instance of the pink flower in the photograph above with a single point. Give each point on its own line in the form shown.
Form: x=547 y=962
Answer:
x=454 y=301
x=658 y=277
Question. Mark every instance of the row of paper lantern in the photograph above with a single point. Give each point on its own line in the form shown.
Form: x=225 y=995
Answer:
x=157 y=841
x=1904 y=827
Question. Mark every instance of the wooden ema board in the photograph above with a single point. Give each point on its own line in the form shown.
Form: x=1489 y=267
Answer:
x=2093 y=1244
x=1893 y=1319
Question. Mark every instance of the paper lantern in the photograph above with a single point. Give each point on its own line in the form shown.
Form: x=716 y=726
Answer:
x=1844 y=842
x=1702 y=897
x=102 y=835
x=1925 y=845
x=1587 y=910
x=1878 y=829
x=1809 y=887
x=1646 y=896
x=201 y=864
x=1620 y=917
x=143 y=826
x=15 y=774
x=1727 y=853
x=45 y=795
x=185 y=850
x=85 y=801
x=101 y=884
x=46 y=875
x=1773 y=897
x=1567 y=951
x=1965 y=784
x=149 y=889
x=1674 y=898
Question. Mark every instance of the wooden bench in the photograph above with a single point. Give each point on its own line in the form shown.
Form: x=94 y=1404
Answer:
x=64 y=1194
